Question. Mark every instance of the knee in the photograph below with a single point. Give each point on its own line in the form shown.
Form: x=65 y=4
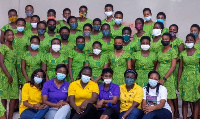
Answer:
x=136 y=112
x=104 y=117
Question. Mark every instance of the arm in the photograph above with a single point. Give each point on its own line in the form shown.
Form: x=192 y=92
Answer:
x=129 y=64
x=155 y=65
x=180 y=48
x=4 y=69
x=171 y=70
x=45 y=101
x=70 y=69
x=180 y=70
x=2 y=41
x=133 y=64
x=23 y=67
x=44 y=67
x=135 y=105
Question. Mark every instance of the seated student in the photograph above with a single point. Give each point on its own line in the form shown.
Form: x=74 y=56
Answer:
x=130 y=97
x=161 y=17
x=108 y=96
x=31 y=106
x=55 y=93
x=83 y=94
x=154 y=102
x=109 y=15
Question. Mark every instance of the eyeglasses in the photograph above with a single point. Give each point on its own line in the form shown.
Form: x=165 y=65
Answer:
x=39 y=76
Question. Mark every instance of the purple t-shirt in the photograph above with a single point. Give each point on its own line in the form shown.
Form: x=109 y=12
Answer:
x=54 y=94
x=108 y=94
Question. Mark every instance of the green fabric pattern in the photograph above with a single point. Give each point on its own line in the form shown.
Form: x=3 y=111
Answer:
x=156 y=46
x=148 y=28
x=81 y=24
x=136 y=40
x=117 y=32
x=2 y=110
x=6 y=27
x=111 y=23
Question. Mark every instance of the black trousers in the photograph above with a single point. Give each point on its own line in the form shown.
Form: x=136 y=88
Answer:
x=111 y=112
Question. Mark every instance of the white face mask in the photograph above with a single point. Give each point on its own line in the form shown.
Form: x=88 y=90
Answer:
x=145 y=47
x=156 y=32
x=107 y=81
x=55 y=48
x=96 y=51
x=108 y=13
x=34 y=25
x=189 y=45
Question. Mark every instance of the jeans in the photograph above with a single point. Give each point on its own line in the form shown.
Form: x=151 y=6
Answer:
x=62 y=113
x=134 y=114
x=158 y=114
x=33 y=114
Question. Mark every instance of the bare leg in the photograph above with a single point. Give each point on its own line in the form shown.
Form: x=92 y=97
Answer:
x=104 y=117
x=4 y=103
x=195 y=109
x=184 y=109
x=172 y=106
x=11 y=108
x=176 y=111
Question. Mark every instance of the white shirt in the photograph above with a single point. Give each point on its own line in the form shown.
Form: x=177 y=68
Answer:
x=162 y=94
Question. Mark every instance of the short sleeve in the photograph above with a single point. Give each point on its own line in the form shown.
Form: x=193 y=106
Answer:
x=44 y=59
x=24 y=56
x=71 y=89
x=3 y=49
x=128 y=56
x=71 y=54
x=45 y=89
x=105 y=58
x=154 y=57
x=174 y=54
x=87 y=59
x=95 y=88
x=134 y=56
x=181 y=56
x=2 y=110
x=179 y=42
x=117 y=91
x=139 y=96
x=4 y=28
x=25 y=92
x=144 y=93
x=163 y=93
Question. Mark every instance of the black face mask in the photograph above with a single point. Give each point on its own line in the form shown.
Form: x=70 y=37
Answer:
x=118 y=47
x=52 y=27
x=64 y=36
x=165 y=43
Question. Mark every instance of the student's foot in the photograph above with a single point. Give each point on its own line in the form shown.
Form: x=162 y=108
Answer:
x=176 y=115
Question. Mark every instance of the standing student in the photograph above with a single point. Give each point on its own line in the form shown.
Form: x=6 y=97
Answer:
x=33 y=29
x=51 y=32
x=51 y=14
x=96 y=31
x=109 y=15
x=66 y=14
x=161 y=17
x=148 y=24
x=194 y=29
x=29 y=10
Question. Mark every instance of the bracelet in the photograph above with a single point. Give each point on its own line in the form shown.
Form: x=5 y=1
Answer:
x=164 y=78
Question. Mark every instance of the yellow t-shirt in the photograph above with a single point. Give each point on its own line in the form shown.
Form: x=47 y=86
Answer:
x=81 y=94
x=127 y=98
x=31 y=94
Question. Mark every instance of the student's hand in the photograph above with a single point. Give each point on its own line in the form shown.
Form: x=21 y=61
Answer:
x=59 y=104
x=150 y=108
x=162 y=81
x=84 y=105
x=124 y=116
x=79 y=110
x=36 y=106
x=43 y=106
x=64 y=103
x=10 y=79
x=28 y=80
x=100 y=104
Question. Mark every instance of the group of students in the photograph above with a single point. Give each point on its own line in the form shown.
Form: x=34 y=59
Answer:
x=93 y=56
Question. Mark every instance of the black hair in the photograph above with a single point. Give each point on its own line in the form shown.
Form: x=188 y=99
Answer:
x=127 y=28
x=131 y=71
x=145 y=37
x=83 y=6
x=51 y=10
x=21 y=19
x=36 y=16
x=118 y=12
x=191 y=35
x=119 y=37
x=87 y=24
x=43 y=78
x=28 y=6
x=152 y=72
x=97 y=19
x=64 y=27
x=55 y=39
x=174 y=26
x=97 y=42
x=41 y=22
x=146 y=9
x=109 y=5
x=61 y=66
x=105 y=24
x=161 y=24
x=12 y=10
x=161 y=13
x=80 y=37
x=195 y=25
x=7 y=31
x=35 y=37
x=84 y=68
x=168 y=34
x=51 y=20
x=140 y=19
x=107 y=70
x=70 y=18
x=66 y=9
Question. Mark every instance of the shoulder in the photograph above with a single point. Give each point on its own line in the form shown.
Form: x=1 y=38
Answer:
x=137 y=87
x=122 y=87
x=162 y=88
x=48 y=83
x=26 y=86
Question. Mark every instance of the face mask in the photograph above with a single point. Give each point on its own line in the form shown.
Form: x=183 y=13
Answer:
x=107 y=81
x=139 y=27
x=160 y=20
x=41 y=31
x=34 y=25
x=129 y=81
x=189 y=45
x=37 y=80
x=156 y=32
x=145 y=47
x=106 y=32
x=83 y=15
x=73 y=25
x=52 y=27
x=195 y=34
x=60 y=76
x=20 y=29
x=126 y=37
x=118 y=47
x=13 y=19
x=55 y=48
x=80 y=46
x=96 y=51
x=64 y=36
x=34 y=46
x=147 y=18
x=173 y=34
x=64 y=19
x=51 y=17
x=29 y=13
x=96 y=27
x=153 y=83
x=165 y=43
x=118 y=21
x=86 y=34
x=108 y=13
x=85 y=78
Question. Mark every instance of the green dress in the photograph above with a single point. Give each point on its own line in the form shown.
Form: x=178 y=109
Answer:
x=136 y=40
x=29 y=33
x=131 y=47
x=65 y=49
x=61 y=25
x=119 y=66
x=117 y=32
x=165 y=30
x=28 y=26
x=165 y=60
x=190 y=81
x=81 y=24
x=78 y=60
x=98 y=36
x=197 y=46
x=32 y=63
x=2 y=110
x=9 y=91
x=148 y=28
x=97 y=64
x=88 y=47
x=106 y=46
x=111 y=23
x=72 y=37
x=143 y=65
x=8 y=26
x=52 y=62
x=156 y=46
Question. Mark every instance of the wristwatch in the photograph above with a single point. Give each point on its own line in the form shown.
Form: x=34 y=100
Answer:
x=165 y=79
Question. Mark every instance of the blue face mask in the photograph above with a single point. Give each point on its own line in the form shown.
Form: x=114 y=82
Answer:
x=153 y=83
x=60 y=76
x=161 y=20
x=195 y=34
x=147 y=18
x=106 y=32
x=37 y=80
x=129 y=81
x=29 y=13
x=20 y=29
x=85 y=78
x=118 y=21
x=80 y=46
x=34 y=47
x=86 y=34
x=126 y=37
x=73 y=25
x=96 y=27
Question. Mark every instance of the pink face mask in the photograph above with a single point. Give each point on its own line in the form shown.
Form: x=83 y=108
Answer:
x=139 y=26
